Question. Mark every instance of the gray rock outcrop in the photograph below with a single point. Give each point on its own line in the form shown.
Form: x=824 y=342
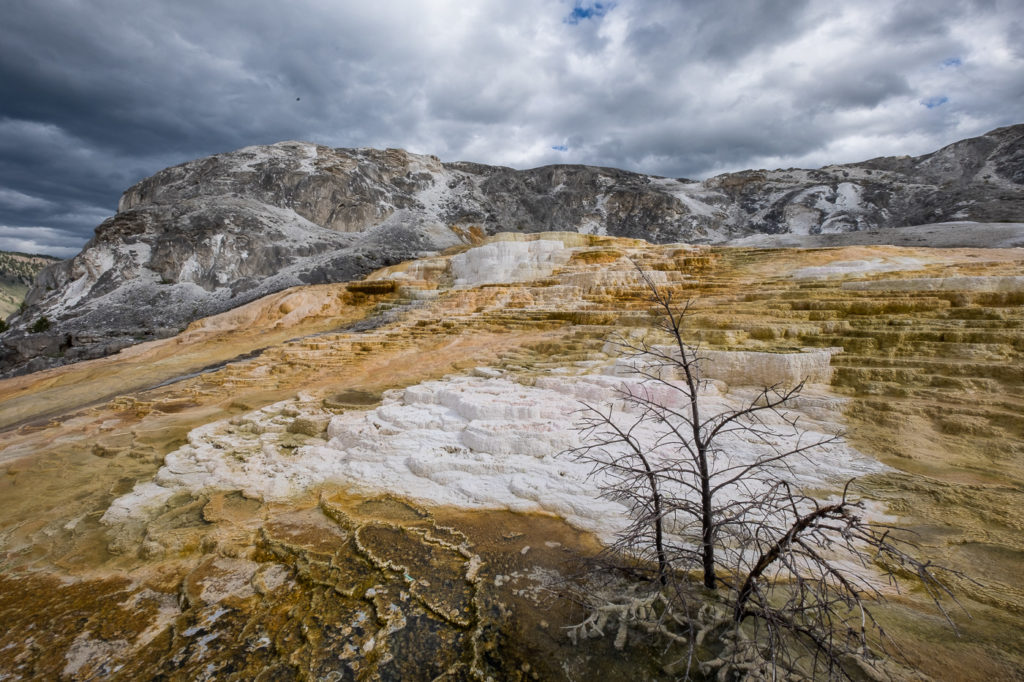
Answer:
x=208 y=235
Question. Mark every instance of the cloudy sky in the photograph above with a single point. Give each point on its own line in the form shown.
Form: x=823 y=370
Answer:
x=97 y=94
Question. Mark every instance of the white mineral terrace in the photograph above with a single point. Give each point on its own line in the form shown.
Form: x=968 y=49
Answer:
x=1006 y=283
x=478 y=442
x=508 y=261
x=858 y=267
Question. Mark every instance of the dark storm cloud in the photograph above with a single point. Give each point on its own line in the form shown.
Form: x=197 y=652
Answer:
x=916 y=21
x=718 y=30
x=95 y=96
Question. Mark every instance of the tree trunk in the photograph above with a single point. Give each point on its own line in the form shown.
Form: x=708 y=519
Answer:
x=707 y=527
x=659 y=546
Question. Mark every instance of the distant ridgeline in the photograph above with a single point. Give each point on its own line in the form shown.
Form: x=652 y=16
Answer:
x=17 y=271
x=215 y=233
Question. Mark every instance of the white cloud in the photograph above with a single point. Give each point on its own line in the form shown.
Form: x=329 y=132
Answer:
x=36 y=240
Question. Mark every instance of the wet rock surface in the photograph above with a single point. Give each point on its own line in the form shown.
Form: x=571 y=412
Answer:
x=215 y=233
x=346 y=589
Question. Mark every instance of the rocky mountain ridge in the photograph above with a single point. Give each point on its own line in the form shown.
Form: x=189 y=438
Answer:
x=214 y=233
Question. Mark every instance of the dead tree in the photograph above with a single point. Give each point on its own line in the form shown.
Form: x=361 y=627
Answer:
x=779 y=591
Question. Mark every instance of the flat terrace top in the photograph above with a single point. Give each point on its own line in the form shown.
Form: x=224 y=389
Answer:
x=936 y=235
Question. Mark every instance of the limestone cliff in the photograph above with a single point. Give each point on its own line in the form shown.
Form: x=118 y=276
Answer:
x=212 y=234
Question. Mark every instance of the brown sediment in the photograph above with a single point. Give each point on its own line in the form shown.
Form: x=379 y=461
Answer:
x=935 y=390
x=351 y=585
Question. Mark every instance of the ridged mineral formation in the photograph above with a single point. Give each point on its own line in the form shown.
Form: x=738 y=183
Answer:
x=313 y=484
x=212 y=234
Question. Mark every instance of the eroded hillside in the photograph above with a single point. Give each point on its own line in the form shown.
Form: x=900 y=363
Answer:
x=212 y=234
x=369 y=485
x=17 y=271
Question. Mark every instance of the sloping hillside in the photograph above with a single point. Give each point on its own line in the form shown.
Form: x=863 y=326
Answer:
x=215 y=233
x=17 y=272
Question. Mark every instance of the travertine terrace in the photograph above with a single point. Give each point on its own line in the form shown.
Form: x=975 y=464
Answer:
x=214 y=233
x=227 y=503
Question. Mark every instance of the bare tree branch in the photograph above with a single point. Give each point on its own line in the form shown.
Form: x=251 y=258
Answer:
x=779 y=596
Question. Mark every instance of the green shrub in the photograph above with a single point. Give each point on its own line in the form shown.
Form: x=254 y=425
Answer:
x=40 y=325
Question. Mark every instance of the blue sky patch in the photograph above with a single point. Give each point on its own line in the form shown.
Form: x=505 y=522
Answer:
x=952 y=62
x=933 y=102
x=561 y=148
x=581 y=12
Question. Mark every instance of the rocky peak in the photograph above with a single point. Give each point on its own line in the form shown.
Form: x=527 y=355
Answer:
x=345 y=190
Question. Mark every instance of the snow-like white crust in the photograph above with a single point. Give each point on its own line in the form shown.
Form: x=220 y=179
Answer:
x=477 y=442
x=508 y=261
